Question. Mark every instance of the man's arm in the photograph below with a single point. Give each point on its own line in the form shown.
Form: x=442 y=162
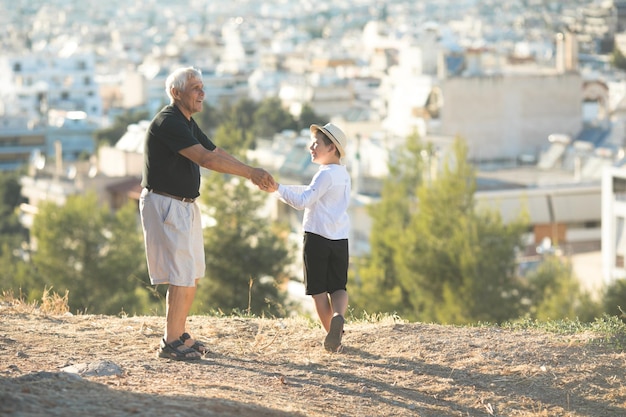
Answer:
x=221 y=161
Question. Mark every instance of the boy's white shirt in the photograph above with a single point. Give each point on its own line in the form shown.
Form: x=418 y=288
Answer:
x=324 y=201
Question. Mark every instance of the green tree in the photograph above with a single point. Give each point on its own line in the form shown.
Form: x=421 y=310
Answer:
x=614 y=299
x=231 y=126
x=270 y=118
x=14 y=271
x=376 y=281
x=10 y=199
x=434 y=240
x=555 y=293
x=245 y=255
x=232 y=138
x=493 y=290
x=94 y=254
x=243 y=114
x=208 y=119
x=433 y=256
x=239 y=115
x=618 y=59
x=308 y=117
x=458 y=265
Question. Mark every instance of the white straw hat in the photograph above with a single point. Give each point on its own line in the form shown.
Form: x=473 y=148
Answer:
x=333 y=133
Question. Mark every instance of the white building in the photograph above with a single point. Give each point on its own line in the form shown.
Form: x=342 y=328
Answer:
x=613 y=224
x=35 y=83
x=48 y=94
x=505 y=116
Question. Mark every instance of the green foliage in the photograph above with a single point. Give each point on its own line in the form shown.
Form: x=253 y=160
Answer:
x=437 y=240
x=242 y=114
x=245 y=256
x=376 y=279
x=618 y=59
x=434 y=257
x=493 y=287
x=270 y=118
x=614 y=300
x=373 y=318
x=459 y=264
x=96 y=255
x=208 y=119
x=375 y=287
x=613 y=330
x=233 y=139
x=554 y=293
x=610 y=330
x=15 y=273
x=248 y=120
x=238 y=117
x=10 y=199
x=307 y=117
x=314 y=30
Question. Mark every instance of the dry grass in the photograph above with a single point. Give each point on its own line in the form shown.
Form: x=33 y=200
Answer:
x=51 y=302
x=263 y=367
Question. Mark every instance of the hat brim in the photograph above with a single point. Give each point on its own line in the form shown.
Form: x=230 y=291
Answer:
x=314 y=128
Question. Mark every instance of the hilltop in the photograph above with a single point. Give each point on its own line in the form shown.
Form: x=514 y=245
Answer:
x=93 y=365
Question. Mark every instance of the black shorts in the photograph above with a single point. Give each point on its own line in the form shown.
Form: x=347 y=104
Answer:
x=325 y=264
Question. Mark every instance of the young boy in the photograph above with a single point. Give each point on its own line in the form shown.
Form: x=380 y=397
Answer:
x=326 y=228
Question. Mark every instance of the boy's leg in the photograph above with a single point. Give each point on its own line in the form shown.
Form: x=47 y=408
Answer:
x=332 y=342
x=324 y=309
x=339 y=302
x=327 y=307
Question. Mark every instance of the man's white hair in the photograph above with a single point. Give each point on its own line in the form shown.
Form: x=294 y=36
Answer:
x=178 y=79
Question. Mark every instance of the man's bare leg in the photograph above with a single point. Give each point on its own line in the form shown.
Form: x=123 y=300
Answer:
x=178 y=305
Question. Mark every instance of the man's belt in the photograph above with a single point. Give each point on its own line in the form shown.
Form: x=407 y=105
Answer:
x=175 y=197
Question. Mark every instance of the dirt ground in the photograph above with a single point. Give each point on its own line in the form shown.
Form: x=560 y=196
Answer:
x=90 y=365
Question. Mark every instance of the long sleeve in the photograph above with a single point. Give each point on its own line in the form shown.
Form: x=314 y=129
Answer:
x=324 y=201
x=303 y=196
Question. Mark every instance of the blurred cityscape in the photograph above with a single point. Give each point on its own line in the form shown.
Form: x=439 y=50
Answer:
x=532 y=86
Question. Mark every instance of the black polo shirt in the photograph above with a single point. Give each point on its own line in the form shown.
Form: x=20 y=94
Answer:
x=165 y=169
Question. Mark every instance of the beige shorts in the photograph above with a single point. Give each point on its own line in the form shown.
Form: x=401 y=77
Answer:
x=172 y=233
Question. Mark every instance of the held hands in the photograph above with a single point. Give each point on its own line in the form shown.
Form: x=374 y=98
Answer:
x=263 y=179
x=273 y=187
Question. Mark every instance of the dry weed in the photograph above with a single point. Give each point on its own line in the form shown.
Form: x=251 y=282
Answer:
x=52 y=303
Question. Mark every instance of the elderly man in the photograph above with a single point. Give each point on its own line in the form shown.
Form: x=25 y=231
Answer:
x=175 y=149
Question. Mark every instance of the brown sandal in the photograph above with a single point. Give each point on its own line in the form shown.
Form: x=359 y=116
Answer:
x=197 y=346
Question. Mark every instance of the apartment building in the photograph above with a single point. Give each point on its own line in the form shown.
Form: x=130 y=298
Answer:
x=47 y=98
x=505 y=116
x=36 y=83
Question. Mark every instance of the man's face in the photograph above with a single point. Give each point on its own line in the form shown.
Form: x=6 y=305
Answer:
x=190 y=100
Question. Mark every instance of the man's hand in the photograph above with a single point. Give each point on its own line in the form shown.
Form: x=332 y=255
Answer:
x=262 y=179
x=273 y=187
